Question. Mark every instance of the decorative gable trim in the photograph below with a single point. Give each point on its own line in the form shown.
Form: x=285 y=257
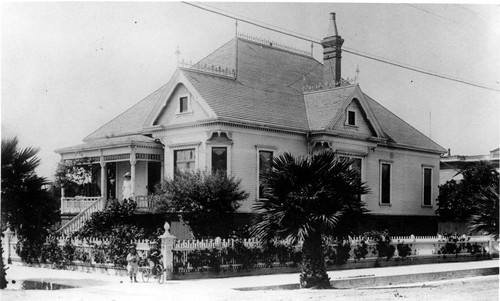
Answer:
x=177 y=79
x=370 y=116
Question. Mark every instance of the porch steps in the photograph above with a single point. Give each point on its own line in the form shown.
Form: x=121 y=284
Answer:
x=78 y=221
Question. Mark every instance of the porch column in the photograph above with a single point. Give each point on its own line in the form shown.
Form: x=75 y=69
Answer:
x=104 y=181
x=133 y=161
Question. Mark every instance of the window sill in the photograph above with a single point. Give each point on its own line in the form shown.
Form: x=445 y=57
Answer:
x=427 y=206
x=184 y=114
x=351 y=126
x=385 y=204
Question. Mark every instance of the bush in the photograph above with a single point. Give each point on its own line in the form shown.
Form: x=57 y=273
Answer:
x=404 y=250
x=338 y=255
x=361 y=251
x=206 y=202
x=383 y=247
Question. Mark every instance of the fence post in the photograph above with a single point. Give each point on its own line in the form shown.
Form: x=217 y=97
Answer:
x=167 y=246
x=490 y=246
x=8 y=236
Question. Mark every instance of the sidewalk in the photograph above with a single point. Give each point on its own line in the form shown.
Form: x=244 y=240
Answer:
x=104 y=287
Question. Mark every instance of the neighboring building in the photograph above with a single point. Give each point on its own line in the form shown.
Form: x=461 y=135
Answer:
x=251 y=100
x=451 y=167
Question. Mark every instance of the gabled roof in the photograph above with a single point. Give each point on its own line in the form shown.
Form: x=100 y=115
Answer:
x=323 y=106
x=400 y=132
x=267 y=90
x=268 y=86
x=129 y=122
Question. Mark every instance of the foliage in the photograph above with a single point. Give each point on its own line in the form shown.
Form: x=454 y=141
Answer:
x=404 y=250
x=102 y=223
x=474 y=200
x=30 y=251
x=116 y=224
x=51 y=252
x=453 y=245
x=3 y=268
x=383 y=246
x=338 y=255
x=308 y=197
x=206 y=202
x=73 y=175
x=485 y=218
x=26 y=205
x=361 y=251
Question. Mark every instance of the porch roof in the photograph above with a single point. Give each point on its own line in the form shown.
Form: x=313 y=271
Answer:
x=133 y=140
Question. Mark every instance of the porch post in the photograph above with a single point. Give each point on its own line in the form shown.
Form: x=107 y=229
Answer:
x=63 y=204
x=133 y=161
x=104 y=182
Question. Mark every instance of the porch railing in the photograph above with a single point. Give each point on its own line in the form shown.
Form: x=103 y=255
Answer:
x=78 y=221
x=144 y=203
x=77 y=204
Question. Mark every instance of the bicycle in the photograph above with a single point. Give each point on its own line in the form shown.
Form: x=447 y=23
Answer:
x=152 y=270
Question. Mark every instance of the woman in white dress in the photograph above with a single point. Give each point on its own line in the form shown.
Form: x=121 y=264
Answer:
x=127 y=187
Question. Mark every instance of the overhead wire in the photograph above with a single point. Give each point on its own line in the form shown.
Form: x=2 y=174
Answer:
x=346 y=49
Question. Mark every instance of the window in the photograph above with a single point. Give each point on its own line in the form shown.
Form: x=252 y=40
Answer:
x=184 y=160
x=264 y=161
x=356 y=163
x=351 y=118
x=183 y=104
x=385 y=183
x=427 y=187
x=219 y=159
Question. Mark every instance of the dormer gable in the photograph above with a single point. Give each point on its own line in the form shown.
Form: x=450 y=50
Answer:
x=355 y=117
x=180 y=103
x=342 y=110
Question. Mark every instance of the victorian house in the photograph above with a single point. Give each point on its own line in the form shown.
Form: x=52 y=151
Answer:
x=251 y=100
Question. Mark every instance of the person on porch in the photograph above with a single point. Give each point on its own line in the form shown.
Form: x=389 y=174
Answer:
x=127 y=188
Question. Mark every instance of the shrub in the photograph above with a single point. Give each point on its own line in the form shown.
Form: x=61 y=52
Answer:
x=404 y=250
x=361 y=251
x=383 y=247
x=205 y=201
x=338 y=255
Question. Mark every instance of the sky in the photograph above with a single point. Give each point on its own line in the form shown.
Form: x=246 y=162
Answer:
x=67 y=68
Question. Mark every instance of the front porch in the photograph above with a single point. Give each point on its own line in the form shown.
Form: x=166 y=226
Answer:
x=95 y=175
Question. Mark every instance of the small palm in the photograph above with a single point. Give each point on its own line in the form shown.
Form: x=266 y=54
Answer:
x=308 y=197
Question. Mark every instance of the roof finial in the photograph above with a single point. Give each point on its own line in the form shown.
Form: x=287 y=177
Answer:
x=177 y=53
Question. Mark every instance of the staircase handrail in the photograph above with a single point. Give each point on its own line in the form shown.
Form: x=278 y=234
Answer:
x=78 y=221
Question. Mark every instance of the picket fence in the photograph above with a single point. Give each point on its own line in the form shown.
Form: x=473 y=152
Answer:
x=177 y=253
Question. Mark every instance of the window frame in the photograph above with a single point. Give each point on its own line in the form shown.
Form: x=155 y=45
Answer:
x=381 y=183
x=228 y=156
x=259 y=150
x=349 y=112
x=188 y=109
x=431 y=169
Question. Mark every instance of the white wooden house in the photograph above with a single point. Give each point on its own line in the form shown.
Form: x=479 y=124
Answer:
x=250 y=100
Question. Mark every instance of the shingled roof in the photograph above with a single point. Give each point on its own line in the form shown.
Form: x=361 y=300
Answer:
x=267 y=90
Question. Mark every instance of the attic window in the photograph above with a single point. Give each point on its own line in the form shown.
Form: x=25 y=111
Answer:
x=351 y=118
x=183 y=104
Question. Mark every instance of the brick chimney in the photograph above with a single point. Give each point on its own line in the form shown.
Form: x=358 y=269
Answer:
x=332 y=49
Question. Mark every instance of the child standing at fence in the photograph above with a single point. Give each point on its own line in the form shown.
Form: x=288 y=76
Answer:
x=132 y=266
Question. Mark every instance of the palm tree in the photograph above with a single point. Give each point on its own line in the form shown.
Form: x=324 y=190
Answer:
x=485 y=219
x=26 y=204
x=307 y=198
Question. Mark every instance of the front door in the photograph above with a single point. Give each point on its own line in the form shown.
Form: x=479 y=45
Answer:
x=111 y=187
x=154 y=175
